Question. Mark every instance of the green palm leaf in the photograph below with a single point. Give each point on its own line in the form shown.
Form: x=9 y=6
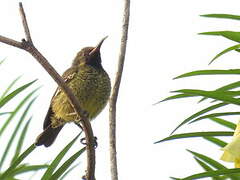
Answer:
x=7 y=98
x=203 y=111
x=226 y=87
x=197 y=134
x=10 y=87
x=21 y=140
x=13 y=114
x=66 y=165
x=216 y=141
x=214 y=115
x=224 y=96
x=10 y=171
x=223 y=16
x=209 y=72
x=175 y=97
x=13 y=136
x=223 y=122
x=225 y=51
x=5 y=113
x=213 y=173
x=28 y=168
x=213 y=163
x=67 y=172
x=206 y=168
x=2 y=61
x=232 y=35
x=57 y=160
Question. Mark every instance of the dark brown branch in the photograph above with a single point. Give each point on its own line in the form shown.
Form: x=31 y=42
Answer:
x=115 y=90
x=28 y=46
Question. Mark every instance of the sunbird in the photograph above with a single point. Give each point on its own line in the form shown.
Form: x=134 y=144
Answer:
x=90 y=84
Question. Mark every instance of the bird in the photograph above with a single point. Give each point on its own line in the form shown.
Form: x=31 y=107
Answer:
x=90 y=84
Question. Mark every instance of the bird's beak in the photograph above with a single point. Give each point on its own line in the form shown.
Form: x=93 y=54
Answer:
x=97 y=48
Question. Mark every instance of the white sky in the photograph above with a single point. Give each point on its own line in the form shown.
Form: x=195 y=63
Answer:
x=163 y=43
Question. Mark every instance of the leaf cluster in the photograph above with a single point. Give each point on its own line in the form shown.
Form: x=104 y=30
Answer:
x=16 y=140
x=221 y=97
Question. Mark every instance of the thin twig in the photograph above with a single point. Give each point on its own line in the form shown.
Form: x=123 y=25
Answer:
x=25 y=24
x=28 y=46
x=115 y=91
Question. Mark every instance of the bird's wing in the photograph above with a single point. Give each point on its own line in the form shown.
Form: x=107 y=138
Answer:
x=67 y=76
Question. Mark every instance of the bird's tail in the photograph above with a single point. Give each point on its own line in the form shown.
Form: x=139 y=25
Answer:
x=48 y=136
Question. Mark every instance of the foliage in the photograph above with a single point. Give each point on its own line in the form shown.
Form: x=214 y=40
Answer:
x=222 y=96
x=13 y=149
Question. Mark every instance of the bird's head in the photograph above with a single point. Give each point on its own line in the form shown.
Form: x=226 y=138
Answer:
x=89 y=55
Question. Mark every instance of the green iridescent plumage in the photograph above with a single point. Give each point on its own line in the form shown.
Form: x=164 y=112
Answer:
x=89 y=83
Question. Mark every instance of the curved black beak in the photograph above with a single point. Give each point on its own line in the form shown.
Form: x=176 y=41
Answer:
x=97 y=48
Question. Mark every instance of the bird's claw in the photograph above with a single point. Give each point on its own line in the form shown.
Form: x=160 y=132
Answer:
x=83 y=141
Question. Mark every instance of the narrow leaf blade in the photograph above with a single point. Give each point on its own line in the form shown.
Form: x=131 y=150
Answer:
x=225 y=51
x=203 y=111
x=14 y=93
x=218 y=95
x=29 y=168
x=223 y=16
x=67 y=164
x=213 y=163
x=209 y=72
x=10 y=87
x=14 y=133
x=226 y=87
x=232 y=35
x=216 y=141
x=223 y=122
x=175 y=97
x=58 y=158
x=13 y=114
x=197 y=134
x=21 y=140
x=213 y=173
x=9 y=171
x=215 y=115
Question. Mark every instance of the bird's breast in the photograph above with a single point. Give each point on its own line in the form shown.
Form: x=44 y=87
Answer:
x=91 y=87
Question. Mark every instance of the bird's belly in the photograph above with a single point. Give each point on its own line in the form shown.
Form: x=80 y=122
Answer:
x=92 y=97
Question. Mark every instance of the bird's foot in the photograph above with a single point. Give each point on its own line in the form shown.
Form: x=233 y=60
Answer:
x=83 y=141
